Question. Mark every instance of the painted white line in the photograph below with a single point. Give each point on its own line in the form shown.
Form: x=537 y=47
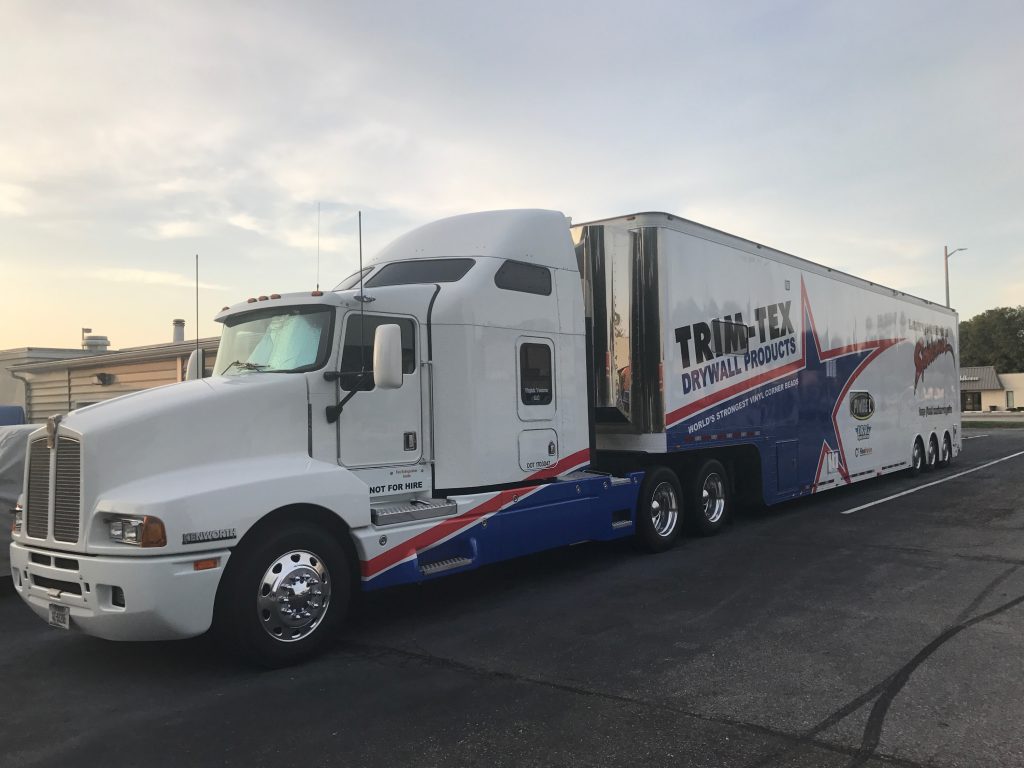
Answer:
x=973 y=437
x=929 y=485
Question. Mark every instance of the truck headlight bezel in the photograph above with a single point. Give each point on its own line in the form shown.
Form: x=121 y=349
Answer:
x=18 y=519
x=145 y=531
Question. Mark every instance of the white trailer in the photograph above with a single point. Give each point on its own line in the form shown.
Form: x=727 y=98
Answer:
x=490 y=385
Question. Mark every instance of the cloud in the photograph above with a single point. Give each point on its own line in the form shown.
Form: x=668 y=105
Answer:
x=13 y=200
x=150 y=277
x=170 y=230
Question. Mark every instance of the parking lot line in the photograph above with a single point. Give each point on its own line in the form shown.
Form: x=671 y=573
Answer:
x=973 y=437
x=929 y=485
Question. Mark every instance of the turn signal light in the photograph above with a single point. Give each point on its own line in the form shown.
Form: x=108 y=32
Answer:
x=205 y=565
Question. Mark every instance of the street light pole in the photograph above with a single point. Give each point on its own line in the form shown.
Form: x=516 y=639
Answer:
x=947 y=253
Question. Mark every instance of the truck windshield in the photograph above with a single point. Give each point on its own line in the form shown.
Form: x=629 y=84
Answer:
x=279 y=340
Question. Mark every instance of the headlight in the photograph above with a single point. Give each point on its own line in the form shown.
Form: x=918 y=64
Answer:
x=138 y=531
x=19 y=515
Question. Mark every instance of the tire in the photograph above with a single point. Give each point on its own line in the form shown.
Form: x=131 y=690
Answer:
x=916 y=458
x=709 y=499
x=659 y=510
x=283 y=596
x=932 y=455
x=946 y=454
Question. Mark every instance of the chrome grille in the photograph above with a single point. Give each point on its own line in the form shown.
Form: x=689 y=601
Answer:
x=37 y=508
x=67 y=495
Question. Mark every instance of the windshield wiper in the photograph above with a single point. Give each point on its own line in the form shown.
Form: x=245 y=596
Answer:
x=246 y=366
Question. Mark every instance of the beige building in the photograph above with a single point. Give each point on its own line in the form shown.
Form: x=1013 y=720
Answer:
x=58 y=386
x=983 y=389
x=12 y=390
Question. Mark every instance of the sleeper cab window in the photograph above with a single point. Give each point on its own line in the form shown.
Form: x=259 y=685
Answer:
x=535 y=384
x=357 y=350
x=525 y=278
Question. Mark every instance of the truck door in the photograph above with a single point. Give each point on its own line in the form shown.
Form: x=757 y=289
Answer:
x=379 y=427
x=536 y=403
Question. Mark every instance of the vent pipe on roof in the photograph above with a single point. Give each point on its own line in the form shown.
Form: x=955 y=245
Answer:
x=96 y=344
x=178 y=336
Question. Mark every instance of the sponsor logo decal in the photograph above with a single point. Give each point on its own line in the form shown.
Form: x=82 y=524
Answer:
x=926 y=352
x=862 y=451
x=201 y=537
x=862 y=405
x=863 y=431
x=702 y=344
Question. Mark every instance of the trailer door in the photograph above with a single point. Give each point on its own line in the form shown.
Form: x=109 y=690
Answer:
x=536 y=402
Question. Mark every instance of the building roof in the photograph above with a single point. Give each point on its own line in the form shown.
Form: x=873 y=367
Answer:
x=135 y=354
x=978 y=378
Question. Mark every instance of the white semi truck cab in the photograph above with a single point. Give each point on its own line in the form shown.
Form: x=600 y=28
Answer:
x=490 y=385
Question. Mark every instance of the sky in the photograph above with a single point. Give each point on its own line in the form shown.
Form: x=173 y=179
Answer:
x=861 y=135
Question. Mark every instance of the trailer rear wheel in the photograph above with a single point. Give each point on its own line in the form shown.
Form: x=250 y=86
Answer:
x=283 y=595
x=917 y=458
x=932 y=458
x=658 y=510
x=946 y=457
x=709 y=499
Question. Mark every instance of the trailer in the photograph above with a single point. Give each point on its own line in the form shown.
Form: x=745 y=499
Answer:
x=490 y=385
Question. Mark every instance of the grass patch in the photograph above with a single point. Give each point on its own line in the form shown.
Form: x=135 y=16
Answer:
x=972 y=424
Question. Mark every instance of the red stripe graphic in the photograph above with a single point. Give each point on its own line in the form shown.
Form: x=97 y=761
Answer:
x=452 y=525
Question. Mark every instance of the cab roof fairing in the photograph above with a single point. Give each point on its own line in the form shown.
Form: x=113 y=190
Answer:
x=534 y=236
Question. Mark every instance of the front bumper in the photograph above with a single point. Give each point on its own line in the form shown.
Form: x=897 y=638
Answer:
x=164 y=597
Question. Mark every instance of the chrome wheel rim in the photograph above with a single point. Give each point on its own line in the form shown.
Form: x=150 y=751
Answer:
x=293 y=596
x=664 y=509
x=918 y=455
x=713 y=497
x=933 y=453
x=947 y=450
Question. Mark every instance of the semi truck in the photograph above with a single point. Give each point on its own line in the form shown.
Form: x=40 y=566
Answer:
x=490 y=385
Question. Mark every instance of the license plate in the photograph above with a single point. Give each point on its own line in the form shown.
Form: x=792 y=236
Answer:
x=60 y=616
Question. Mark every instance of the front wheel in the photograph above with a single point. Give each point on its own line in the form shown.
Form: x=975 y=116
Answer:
x=659 y=510
x=709 y=498
x=283 y=595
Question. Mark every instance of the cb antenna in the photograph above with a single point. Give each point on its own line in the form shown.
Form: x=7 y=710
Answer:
x=362 y=296
x=199 y=355
x=318 y=245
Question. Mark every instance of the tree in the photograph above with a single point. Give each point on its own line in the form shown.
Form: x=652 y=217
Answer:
x=995 y=337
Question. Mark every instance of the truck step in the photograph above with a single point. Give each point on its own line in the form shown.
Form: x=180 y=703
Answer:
x=409 y=511
x=429 y=569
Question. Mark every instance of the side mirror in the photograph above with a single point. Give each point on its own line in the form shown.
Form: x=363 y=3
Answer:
x=387 y=356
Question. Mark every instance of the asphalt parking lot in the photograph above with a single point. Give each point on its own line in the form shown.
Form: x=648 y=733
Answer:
x=803 y=636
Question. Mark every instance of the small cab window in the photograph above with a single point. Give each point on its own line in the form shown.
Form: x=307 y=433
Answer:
x=420 y=271
x=525 y=278
x=535 y=387
x=357 y=349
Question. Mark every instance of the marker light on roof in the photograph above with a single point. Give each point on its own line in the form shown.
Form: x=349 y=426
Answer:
x=250 y=301
x=317 y=293
x=275 y=295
